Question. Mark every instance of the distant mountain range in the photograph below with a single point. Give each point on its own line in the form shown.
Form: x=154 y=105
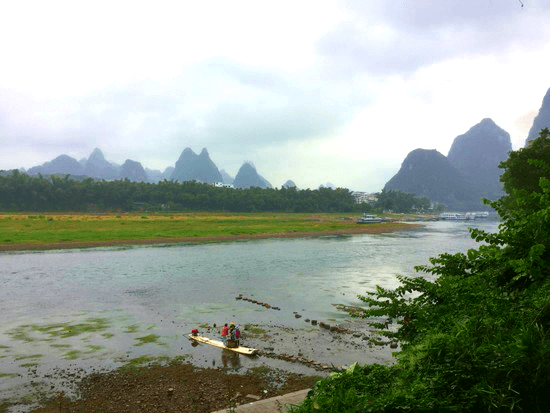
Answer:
x=193 y=167
x=459 y=180
x=189 y=167
x=470 y=170
x=248 y=177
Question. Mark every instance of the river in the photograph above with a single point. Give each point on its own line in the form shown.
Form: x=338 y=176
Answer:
x=102 y=306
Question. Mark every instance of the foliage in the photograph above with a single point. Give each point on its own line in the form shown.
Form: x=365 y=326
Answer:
x=523 y=170
x=401 y=202
x=21 y=192
x=475 y=327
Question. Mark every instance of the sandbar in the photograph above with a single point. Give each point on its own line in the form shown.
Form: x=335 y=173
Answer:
x=360 y=229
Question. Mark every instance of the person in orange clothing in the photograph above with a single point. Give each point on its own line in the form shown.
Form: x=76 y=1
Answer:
x=225 y=334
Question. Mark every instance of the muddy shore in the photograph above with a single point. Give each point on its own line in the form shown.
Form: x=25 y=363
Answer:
x=289 y=359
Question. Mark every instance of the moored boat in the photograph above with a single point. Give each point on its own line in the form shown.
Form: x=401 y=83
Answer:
x=217 y=343
x=369 y=219
x=457 y=216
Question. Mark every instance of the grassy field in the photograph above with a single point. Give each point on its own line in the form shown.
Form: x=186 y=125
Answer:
x=70 y=228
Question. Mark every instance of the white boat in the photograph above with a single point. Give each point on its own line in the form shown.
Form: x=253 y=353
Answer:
x=456 y=216
x=369 y=219
x=452 y=216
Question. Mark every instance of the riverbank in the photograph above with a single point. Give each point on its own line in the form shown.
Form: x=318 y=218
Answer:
x=289 y=359
x=58 y=231
x=181 y=388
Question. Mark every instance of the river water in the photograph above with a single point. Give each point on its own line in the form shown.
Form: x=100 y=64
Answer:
x=104 y=305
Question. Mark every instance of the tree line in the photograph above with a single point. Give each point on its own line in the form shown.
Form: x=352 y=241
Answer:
x=22 y=192
x=404 y=202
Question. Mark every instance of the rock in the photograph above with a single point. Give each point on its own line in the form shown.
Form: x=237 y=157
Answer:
x=98 y=167
x=477 y=154
x=63 y=164
x=429 y=173
x=542 y=120
x=289 y=184
x=248 y=177
x=253 y=396
x=191 y=166
x=461 y=179
x=133 y=171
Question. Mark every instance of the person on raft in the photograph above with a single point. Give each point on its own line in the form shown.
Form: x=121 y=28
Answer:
x=225 y=334
x=234 y=335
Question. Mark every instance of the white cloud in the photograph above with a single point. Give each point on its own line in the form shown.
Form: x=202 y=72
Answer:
x=309 y=91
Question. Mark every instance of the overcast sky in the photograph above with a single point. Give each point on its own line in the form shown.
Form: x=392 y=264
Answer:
x=313 y=91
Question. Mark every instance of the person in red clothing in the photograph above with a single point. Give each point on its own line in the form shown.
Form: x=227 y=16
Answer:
x=225 y=333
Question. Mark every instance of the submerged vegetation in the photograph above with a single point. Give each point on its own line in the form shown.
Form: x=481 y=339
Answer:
x=33 y=332
x=475 y=329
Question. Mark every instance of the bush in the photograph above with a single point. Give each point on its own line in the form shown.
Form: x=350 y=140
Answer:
x=477 y=337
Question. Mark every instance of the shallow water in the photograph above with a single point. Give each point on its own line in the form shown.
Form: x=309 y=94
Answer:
x=102 y=306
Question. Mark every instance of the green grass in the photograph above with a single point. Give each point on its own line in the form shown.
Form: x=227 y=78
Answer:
x=34 y=364
x=249 y=328
x=58 y=330
x=59 y=228
x=32 y=332
x=151 y=338
x=139 y=364
x=32 y=356
x=76 y=354
x=132 y=329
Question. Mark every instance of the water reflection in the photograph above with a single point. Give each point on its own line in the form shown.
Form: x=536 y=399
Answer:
x=230 y=358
